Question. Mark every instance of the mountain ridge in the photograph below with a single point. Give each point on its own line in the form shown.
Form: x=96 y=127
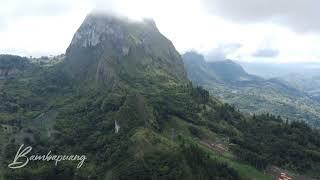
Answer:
x=251 y=93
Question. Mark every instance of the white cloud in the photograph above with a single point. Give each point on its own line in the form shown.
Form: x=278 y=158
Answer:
x=267 y=53
x=44 y=27
x=300 y=15
x=222 y=51
x=34 y=30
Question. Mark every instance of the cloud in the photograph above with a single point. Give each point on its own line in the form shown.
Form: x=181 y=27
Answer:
x=300 y=15
x=40 y=27
x=266 y=53
x=40 y=8
x=2 y=25
x=222 y=51
x=16 y=10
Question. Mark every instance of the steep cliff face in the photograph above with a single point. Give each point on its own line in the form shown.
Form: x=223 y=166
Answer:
x=108 y=49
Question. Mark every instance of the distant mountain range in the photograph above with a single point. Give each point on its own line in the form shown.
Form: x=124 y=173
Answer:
x=302 y=76
x=251 y=93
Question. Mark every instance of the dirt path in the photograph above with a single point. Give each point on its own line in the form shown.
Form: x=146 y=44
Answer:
x=217 y=147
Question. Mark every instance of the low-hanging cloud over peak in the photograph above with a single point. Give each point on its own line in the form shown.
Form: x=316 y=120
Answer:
x=222 y=51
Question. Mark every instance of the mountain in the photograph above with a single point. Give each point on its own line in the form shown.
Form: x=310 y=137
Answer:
x=250 y=93
x=220 y=71
x=110 y=50
x=229 y=71
x=121 y=98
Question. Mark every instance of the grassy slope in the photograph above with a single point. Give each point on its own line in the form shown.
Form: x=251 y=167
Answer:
x=181 y=127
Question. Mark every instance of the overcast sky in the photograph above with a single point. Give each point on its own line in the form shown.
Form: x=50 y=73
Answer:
x=247 y=30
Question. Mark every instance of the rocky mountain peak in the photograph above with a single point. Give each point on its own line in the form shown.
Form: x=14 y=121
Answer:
x=97 y=28
x=108 y=46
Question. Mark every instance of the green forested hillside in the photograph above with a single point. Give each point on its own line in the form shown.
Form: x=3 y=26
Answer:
x=158 y=133
x=168 y=128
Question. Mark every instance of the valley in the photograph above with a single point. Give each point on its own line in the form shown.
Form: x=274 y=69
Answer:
x=251 y=93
